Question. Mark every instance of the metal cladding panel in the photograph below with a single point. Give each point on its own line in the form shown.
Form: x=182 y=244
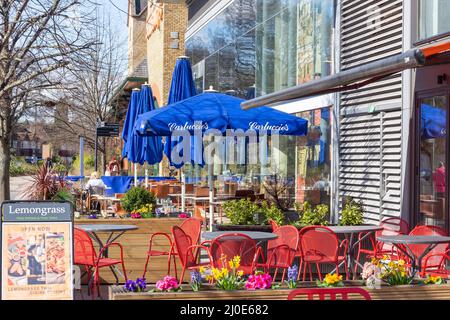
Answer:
x=370 y=117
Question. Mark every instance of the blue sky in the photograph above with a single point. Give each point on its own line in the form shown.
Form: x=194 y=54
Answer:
x=118 y=9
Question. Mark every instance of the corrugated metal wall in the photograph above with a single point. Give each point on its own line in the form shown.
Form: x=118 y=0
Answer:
x=370 y=117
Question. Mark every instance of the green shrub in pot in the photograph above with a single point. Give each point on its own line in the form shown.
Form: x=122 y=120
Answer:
x=136 y=198
x=316 y=216
x=241 y=212
x=352 y=213
x=272 y=212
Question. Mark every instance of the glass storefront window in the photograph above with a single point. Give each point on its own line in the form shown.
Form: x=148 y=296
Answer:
x=432 y=179
x=256 y=47
x=313 y=158
x=434 y=18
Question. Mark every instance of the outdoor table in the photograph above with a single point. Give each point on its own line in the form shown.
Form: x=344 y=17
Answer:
x=115 y=232
x=402 y=242
x=349 y=232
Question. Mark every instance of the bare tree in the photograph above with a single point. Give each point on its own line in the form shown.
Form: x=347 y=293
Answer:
x=37 y=38
x=91 y=84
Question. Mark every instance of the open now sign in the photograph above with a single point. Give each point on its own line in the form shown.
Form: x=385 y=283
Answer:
x=37 y=250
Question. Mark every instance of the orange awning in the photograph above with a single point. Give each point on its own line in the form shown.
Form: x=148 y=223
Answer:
x=438 y=48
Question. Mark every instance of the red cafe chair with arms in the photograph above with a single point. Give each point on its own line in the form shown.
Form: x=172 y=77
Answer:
x=391 y=226
x=235 y=244
x=330 y=293
x=85 y=255
x=320 y=245
x=188 y=252
x=434 y=262
x=191 y=226
x=281 y=251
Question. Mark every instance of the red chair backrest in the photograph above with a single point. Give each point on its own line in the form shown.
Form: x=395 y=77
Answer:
x=418 y=249
x=330 y=293
x=192 y=227
x=183 y=242
x=320 y=242
x=84 y=252
x=392 y=227
x=288 y=237
x=273 y=224
x=231 y=245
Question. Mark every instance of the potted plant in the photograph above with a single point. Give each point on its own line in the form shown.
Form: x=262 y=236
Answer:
x=137 y=198
x=352 y=213
x=246 y=215
x=317 y=216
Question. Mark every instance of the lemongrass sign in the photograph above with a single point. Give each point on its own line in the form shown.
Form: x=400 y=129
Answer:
x=37 y=256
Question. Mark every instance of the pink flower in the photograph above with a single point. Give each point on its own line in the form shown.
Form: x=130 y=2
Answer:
x=167 y=283
x=259 y=281
x=183 y=216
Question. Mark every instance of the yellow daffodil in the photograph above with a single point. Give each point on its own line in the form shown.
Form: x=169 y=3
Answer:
x=202 y=270
x=240 y=273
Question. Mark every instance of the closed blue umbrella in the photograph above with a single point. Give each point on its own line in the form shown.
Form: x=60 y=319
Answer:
x=181 y=88
x=145 y=149
x=130 y=119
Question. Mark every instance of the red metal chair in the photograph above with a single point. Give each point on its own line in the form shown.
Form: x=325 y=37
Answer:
x=273 y=224
x=191 y=226
x=434 y=262
x=391 y=226
x=188 y=252
x=330 y=293
x=281 y=251
x=320 y=245
x=85 y=255
x=235 y=244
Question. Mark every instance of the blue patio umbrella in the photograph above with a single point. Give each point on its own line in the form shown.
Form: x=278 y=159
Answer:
x=217 y=111
x=181 y=88
x=220 y=112
x=145 y=149
x=127 y=131
x=433 y=122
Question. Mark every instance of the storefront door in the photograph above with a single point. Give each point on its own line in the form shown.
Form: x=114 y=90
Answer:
x=432 y=146
x=432 y=159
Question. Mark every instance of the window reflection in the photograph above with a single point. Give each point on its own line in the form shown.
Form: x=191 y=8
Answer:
x=433 y=161
x=256 y=47
x=433 y=18
x=313 y=158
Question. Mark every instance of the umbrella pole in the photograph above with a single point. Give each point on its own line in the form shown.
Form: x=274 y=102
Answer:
x=146 y=176
x=183 y=191
x=211 y=195
x=135 y=174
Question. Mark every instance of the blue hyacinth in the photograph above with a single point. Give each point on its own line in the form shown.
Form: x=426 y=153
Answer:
x=292 y=277
x=196 y=280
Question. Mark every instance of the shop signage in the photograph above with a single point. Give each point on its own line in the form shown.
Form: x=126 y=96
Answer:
x=37 y=251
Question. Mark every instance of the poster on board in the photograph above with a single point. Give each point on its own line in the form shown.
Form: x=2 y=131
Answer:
x=36 y=251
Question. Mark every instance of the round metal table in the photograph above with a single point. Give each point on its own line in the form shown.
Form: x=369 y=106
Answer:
x=349 y=232
x=258 y=236
x=402 y=242
x=115 y=231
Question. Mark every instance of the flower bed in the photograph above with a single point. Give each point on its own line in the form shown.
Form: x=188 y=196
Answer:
x=209 y=292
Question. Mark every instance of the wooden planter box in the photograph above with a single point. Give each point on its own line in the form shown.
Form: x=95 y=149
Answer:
x=416 y=292
x=135 y=246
